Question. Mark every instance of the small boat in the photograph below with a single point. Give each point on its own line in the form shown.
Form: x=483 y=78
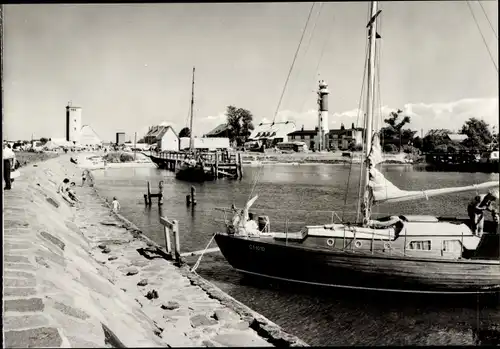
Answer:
x=400 y=253
x=191 y=169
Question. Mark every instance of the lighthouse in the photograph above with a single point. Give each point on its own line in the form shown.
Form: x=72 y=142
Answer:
x=323 y=115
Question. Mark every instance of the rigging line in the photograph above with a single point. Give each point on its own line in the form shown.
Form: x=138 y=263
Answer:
x=488 y=19
x=310 y=38
x=482 y=36
x=293 y=62
x=362 y=164
x=357 y=120
x=327 y=39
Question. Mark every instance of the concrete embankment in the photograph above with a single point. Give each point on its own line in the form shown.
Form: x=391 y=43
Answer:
x=79 y=277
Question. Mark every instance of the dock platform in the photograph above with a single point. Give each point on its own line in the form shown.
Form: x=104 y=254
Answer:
x=218 y=164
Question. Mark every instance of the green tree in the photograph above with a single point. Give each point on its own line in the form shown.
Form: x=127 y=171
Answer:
x=435 y=138
x=185 y=132
x=478 y=134
x=394 y=133
x=240 y=124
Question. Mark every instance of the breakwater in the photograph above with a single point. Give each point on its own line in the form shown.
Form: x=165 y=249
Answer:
x=81 y=277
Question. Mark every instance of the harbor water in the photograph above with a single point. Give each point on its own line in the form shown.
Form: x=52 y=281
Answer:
x=305 y=194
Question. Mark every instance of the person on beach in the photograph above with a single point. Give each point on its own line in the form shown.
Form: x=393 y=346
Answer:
x=478 y=206
x=8 y=160
x=115 y=206
x=63 y=186
x=84 y=177
x=72 y=193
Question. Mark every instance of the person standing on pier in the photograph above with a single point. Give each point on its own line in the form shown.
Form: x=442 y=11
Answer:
x=115 y=206
x=8 y=159
x=476 y=209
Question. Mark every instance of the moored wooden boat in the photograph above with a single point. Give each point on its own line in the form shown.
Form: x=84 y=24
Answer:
x=404 y=253
x=405 y=259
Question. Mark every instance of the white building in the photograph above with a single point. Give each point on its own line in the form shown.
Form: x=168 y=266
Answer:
x=89 y=137
x=167 y=139
x=205 y=143
x=73 y=123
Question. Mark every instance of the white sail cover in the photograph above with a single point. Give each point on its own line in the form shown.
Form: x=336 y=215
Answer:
x=384 y=191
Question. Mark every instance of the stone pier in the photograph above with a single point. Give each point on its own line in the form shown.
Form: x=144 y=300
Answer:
x=80 y=277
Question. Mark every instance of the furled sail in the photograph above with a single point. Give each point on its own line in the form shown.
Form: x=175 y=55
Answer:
x=384 y=191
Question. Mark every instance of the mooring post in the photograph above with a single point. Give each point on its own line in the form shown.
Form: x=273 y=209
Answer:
x=239 y=167
x=146 y=199
x=188 y=199
x=216 y=165
x=160 y=194
x=193 y=195
x=149 y=193
x=177 y=244
x=168 y=247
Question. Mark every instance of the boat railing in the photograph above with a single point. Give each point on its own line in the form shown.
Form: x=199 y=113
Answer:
x=289 y=218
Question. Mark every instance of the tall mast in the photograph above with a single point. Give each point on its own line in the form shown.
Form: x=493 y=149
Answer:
x=372 y=33
x=191 y=143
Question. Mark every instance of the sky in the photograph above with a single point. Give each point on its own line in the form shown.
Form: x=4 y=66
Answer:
x=129 y=66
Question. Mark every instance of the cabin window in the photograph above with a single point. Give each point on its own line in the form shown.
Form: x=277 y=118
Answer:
x=302 y=137
x=424 y=245
x=452 y=246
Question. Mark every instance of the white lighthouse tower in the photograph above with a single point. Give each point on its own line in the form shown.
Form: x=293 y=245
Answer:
x=73 y=123
x=323 y=115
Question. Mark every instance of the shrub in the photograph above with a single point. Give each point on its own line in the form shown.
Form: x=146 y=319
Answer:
x=390 y=148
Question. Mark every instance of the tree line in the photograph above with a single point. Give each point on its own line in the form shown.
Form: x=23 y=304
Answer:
x=395 y=135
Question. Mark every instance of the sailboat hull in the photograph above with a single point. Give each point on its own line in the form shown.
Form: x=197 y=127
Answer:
x=267 y=258
x=193 y=174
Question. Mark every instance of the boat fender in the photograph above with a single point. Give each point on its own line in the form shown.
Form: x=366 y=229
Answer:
x=387 y=246
x=357 y=243
x=330 y=242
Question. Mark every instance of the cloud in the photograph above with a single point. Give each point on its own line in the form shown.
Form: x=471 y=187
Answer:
x=426 y=116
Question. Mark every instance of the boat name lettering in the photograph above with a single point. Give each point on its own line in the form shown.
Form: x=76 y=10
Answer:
x=257 y=248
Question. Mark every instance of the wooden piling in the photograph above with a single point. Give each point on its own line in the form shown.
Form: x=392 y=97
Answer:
x=177 y=243
x=239 y=167
x=160 y=194
x=146 y=199
x=188 y=199
x=168 y=247
x=149 y=194
x=216 y=165
x=193 y=195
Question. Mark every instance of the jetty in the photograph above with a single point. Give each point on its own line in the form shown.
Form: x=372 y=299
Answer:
x=460 y=162
x=221 y=164
x=85 y=278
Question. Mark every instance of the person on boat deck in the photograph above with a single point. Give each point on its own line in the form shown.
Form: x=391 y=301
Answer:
x=476 y=209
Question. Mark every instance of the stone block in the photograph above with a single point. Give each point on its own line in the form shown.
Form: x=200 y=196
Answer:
x=112 y=258
x=31 y=304
x=16 y=266
x=36 y=337
x=201 y=320
x=68 y=310
x=143 y=282
x=53 y=240
x=24 y=321
x=31 y=282
x=52 y=202
x=170 y=305
x=131 y=271
x=18 y=274
x=239 y=325
x=226 y=315
x=18 y=292
x=42 y=261
x=16 y=259
x=17 y=246
x=241 y=339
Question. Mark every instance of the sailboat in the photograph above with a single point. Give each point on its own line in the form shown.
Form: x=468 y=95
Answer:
x=400 y=253
x=192 y=167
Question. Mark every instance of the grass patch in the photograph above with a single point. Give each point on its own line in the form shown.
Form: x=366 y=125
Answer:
x=26 y=158
x=118 y=157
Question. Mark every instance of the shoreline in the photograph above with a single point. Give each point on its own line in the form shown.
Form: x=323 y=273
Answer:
x=262 y=325
x=84 y=260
